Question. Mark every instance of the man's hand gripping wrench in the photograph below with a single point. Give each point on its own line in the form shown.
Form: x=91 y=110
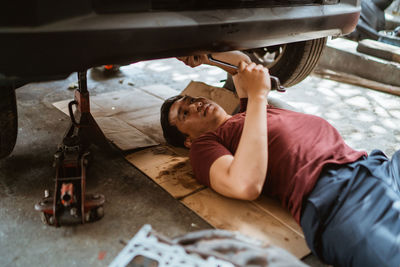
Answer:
x=275 y=83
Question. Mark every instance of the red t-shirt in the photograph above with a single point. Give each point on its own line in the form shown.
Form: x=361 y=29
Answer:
x=299 y=146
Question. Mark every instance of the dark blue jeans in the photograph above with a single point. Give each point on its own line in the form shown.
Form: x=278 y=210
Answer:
x=352 y=216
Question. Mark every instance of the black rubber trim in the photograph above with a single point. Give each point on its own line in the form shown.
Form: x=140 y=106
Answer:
x=8 y=121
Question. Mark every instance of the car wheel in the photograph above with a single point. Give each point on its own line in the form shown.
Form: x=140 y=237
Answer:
x=8 y=120
x=291 y=63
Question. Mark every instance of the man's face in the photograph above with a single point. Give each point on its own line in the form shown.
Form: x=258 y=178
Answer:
x=196 y=116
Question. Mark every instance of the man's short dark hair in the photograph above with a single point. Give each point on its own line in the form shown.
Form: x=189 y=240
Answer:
x=171 y=133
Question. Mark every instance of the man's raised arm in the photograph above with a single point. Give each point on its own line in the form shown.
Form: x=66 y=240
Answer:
x=243 y=175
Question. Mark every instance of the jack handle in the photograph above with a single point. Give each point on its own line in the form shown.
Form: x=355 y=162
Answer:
x=71 y=113
x=275 y=83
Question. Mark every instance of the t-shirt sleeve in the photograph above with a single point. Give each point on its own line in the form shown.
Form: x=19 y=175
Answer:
x=243 y=104
x=204 y=151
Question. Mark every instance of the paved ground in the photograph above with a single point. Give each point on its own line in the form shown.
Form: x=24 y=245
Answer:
x=367 y=120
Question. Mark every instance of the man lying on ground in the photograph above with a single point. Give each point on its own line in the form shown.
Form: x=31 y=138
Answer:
x=347 y=203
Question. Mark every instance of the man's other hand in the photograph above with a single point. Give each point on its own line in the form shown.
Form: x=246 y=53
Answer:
x=253 y=79
x=194 y=61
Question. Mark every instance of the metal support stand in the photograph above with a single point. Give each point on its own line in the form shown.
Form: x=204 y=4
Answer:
x=71 y=204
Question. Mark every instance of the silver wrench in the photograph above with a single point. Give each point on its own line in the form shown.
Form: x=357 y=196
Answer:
x=275 y=83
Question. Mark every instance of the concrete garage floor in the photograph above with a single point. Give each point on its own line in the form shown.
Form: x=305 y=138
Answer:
x=367 y=120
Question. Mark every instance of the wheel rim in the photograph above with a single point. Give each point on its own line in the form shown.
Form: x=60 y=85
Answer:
x=268 y=56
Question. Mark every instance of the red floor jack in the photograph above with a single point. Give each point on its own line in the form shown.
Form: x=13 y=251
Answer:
x=71 y=204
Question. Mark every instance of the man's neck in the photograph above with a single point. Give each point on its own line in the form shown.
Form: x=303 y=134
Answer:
x=227 y=117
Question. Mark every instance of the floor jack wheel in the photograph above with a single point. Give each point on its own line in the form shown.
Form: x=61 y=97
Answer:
x=46 y=218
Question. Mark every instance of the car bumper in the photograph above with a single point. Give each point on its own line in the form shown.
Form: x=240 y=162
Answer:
x=62 y=47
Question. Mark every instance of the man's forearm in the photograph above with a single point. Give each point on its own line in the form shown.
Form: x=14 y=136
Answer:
x=242 y=176
x=251 y=158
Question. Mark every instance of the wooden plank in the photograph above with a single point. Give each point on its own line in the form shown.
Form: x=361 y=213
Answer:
x=247 y=218
x=353 y=79
x=274 y=208
x=171 y=171
x=379 y=49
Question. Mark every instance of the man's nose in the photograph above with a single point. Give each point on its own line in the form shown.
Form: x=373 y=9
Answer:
x=196 y=106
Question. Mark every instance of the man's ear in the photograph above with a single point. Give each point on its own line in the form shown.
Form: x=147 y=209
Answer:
x=188 y=142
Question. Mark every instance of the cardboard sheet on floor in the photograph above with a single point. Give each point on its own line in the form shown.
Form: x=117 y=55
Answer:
x=263 y=219
x=131 y=120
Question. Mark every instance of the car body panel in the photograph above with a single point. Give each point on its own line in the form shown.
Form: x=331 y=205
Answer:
x=62 y=47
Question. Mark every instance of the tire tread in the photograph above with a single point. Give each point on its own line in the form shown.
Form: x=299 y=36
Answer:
x=312 y=52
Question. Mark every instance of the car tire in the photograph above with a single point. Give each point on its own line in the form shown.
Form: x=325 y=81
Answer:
x=293 y=63
x=8 y=120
